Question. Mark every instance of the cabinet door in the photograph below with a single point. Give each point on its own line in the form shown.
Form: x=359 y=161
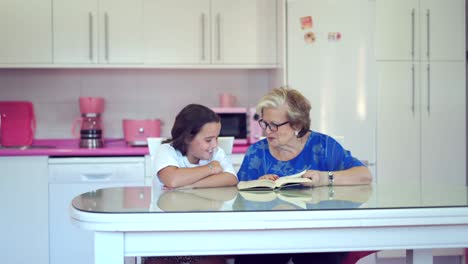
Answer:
x=75 y=31
x=177 y=31
x=120 y=31
x=25 y=215
x=443 y=123
x=398 y=129
x=397 y=34
x=26 y=30
x=442 y=29
x=244 y=31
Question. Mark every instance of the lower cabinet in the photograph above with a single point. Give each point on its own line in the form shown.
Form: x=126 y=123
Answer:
x=69 y=177
x=421 y=131
x=24 y=224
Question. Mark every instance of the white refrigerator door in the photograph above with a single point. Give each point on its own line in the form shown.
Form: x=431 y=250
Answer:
x=336 y=71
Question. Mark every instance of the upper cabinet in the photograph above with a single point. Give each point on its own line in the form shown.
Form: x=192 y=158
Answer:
x=139 y=33
x=98 y=31
x=222 y=32
x=243 y=31
x=26 y=31
x=420 y=29
x=177 y=31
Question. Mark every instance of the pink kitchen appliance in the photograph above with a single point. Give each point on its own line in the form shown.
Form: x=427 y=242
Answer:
x=240 y=123
x=90 y=122
x=137 y=131
x=17 y=123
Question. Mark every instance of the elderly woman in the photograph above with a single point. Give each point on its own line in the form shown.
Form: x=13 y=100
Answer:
x=291 y=147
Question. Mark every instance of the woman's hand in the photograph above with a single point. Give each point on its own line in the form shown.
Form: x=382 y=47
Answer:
x=271 y=177
x=316 y=177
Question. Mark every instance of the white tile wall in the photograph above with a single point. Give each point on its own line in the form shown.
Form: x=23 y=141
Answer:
x=129 y=93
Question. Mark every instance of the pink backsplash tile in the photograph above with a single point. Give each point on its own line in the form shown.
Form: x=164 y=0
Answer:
x=129 y=93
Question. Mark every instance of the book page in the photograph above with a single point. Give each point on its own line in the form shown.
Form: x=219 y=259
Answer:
x=297 y=175
x=292 y=180
x=256 y=185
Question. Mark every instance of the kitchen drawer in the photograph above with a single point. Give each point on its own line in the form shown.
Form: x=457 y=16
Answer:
x=96 y=170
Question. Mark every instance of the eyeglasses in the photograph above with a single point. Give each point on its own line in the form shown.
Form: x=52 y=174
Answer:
x=272 y=126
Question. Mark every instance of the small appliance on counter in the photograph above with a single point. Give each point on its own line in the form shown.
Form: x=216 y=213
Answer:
x=137 y=131
x=90 y=122
x=17 y=123
x=240 y=123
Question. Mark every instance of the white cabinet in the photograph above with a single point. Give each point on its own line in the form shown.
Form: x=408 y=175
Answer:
x=177 y=31
x=223 y=32
x=398 y=128
x=70 y=177
x=98 y=31
x=26 y=31
x=443 y=122
x=426 y=29
x=243 y=31
x=421 y=133
x=24 y=222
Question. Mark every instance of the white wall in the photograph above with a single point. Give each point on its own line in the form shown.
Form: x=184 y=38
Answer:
x=129 y=93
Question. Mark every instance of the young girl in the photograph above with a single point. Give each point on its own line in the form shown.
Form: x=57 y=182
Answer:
x=191 y=159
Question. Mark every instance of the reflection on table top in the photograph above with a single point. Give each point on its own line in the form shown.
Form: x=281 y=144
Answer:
x=228 y=199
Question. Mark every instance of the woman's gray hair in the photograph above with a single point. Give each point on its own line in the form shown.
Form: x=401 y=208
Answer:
x=298 y=107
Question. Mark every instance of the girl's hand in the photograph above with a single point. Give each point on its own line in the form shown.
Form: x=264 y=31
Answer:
x=271 y=177
x=215 y=167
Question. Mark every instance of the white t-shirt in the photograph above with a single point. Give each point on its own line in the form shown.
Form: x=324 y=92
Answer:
x=167 y=155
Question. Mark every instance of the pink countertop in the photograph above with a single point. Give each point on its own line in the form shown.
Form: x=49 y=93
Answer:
x=70 y=147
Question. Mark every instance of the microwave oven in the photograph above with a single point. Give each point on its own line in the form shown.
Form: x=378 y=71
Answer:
x=240 y=123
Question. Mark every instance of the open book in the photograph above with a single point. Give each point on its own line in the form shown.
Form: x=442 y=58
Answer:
x=283 y=182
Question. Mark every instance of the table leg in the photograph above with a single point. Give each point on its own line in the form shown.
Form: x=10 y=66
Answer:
x=419 y=256
x=108 y=248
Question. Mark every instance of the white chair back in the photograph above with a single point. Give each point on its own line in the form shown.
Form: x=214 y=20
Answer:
x=153 y=145
x=226 y=144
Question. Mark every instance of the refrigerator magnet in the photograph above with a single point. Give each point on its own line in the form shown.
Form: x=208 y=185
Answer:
x=334 y=36
x=309 y=37
x=306 y=22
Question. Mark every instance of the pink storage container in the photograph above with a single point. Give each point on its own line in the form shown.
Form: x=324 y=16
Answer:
x=17 y=123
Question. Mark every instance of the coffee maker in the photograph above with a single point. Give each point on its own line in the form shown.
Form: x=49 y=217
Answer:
x=90 y=122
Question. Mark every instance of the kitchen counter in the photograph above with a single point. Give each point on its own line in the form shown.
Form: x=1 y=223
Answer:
x=70 y=148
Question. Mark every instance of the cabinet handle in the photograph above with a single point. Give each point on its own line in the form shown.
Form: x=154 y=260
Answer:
x=106 y=33
x=412 y=32
x=91 y=36
x=218 y=23
x=104 y=176
x=412 y=87
x=203 y=37
x=428 y=88
x=428 y=20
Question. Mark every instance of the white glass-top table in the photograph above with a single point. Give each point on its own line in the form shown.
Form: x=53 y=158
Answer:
x=145 y=221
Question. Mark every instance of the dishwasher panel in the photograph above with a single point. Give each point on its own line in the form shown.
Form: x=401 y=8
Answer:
x=70 y=177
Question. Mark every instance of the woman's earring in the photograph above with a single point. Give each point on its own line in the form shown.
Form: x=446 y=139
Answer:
x=296 y=133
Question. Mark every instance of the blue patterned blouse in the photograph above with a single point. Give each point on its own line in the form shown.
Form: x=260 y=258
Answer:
x=321 y=152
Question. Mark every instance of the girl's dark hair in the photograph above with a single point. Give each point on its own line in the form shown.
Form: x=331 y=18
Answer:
x=188 y=123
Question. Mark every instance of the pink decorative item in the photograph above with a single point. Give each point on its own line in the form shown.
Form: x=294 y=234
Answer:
x=227 y=100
